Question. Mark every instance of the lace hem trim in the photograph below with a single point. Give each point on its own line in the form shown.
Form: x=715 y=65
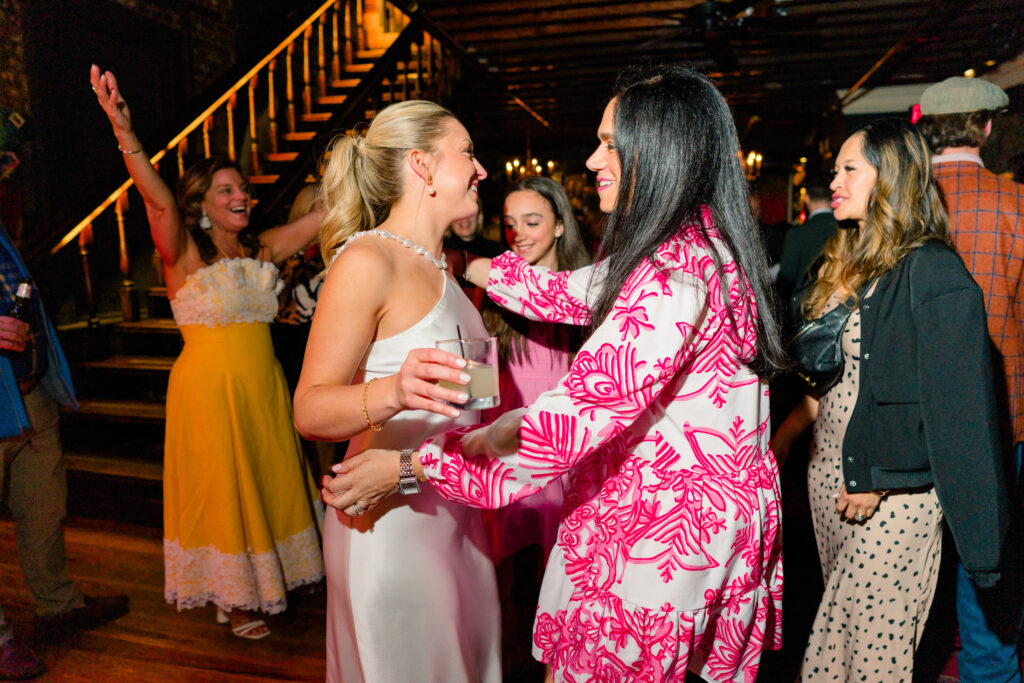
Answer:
x=247 y=581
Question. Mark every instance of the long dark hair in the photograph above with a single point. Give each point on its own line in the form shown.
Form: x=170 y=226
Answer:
x=509 y=328
x=679 y=152
x=192 y=187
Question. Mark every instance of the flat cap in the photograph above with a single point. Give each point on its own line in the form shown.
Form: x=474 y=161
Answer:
x=959 y=95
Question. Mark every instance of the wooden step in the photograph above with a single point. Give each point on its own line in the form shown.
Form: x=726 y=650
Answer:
x=315 y=117
x=345 y=84
x=112 y=410
x=332 y=100
x=300 y=136
x=358 y=68
x=284 y=157
x=150 y=326
x=264 y=179
x=370 y=55
x=131 y=364
x=105 y=465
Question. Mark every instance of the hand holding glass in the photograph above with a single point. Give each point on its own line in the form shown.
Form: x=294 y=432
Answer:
x=481 y=356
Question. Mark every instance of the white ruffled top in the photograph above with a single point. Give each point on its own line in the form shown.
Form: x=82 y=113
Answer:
x=236 y=290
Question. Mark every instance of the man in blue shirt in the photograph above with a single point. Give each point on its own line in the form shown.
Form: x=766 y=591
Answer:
x=34 y=379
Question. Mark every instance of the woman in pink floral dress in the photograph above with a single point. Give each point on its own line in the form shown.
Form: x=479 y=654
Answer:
x=668 y=555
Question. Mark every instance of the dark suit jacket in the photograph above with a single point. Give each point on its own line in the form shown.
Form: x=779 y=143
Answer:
x=926 y=410
x=801 y=247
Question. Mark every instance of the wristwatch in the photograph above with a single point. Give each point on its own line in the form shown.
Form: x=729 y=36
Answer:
x=407 y=483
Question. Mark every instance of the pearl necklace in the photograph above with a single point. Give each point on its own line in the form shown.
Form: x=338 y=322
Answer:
x=441 y=263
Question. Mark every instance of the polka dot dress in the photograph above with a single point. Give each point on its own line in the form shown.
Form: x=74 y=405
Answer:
x=880 y=575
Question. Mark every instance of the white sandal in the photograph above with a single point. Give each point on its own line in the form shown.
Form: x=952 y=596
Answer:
x=244 y=630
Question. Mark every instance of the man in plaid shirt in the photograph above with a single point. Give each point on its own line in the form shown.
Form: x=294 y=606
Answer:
x=986 y=217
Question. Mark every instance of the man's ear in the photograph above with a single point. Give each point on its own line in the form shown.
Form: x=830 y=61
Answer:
x=988 y=128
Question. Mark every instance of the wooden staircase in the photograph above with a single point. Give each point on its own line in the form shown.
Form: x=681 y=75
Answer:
x=114 y=442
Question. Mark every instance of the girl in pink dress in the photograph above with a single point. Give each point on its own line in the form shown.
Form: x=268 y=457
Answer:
x=668 y=557
x=540 y=227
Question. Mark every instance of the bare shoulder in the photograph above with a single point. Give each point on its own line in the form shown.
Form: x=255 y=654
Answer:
x=364 y=266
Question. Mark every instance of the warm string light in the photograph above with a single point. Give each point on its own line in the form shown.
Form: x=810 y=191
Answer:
x=752 y=164
x=515 y=168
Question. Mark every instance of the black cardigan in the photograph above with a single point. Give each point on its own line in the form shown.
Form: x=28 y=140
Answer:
x=926 y=409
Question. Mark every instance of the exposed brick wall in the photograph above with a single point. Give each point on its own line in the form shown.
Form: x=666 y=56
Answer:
x=209 y=27
x=13 y=83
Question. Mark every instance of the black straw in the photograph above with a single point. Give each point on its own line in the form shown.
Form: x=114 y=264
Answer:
x=458 y=332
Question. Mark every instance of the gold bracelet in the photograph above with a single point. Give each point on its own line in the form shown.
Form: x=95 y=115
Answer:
x=881 y=492
x=366 y=415
x=129 y=151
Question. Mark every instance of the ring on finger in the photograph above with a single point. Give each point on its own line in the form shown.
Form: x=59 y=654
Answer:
x=860 y=517
x=357 y=509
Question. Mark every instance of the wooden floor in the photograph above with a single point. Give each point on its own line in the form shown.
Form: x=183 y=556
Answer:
x=154 y=642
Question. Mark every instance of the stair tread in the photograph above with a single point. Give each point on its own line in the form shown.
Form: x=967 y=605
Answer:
x=373 y=53
x=140 y=363
x=345 y=83
x=132 y=411
x=315 y=117
x=332 y=99
x=264 y=179
x=282 y=156
x=107 y=465
x=149 y=325
x=300 y=136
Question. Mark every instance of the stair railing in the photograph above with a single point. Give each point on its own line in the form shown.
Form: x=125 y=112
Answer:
x=334 y=35
x=291 y=82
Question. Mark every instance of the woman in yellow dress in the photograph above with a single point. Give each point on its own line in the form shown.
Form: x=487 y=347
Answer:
x=241 y=519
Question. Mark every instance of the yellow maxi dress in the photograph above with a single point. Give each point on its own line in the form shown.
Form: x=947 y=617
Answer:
x=241 y=513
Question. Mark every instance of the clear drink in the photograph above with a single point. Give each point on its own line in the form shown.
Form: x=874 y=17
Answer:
x=482 y=367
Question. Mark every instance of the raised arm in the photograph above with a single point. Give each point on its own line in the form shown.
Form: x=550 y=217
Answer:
x=285 y=240
x=169 y=233
x=537 y=293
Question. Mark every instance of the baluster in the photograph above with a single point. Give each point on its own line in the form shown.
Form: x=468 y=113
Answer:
x=350 y=32
x=129 y=295
x=384 y=16
x=335 y=43
x=207 y=125
x=405 y=76
x=321 y=57
x=271 y=108
x=181 y=152
x=419 y=70
x=392 y=83
x=254 y=144
x=360 y=28
x=290 y=87
x=84 y=241
x=230 y=109
x=307 y=92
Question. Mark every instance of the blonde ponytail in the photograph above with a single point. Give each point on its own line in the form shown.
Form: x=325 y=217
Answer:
x=364 y=177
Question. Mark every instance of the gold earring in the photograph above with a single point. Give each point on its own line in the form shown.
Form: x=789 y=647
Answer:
x=430 y=185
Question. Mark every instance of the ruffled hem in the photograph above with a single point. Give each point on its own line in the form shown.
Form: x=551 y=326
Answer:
x=246 y=581
x=602 y=637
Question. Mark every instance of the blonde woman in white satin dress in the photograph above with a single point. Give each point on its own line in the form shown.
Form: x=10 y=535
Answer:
x=411 y=588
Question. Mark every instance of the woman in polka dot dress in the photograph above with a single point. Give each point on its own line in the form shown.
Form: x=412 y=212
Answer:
x=905 y=437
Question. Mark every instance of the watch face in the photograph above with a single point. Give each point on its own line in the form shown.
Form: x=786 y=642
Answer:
x=406 y=487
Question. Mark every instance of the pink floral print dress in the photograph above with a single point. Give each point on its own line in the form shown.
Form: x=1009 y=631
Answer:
x=669 y=553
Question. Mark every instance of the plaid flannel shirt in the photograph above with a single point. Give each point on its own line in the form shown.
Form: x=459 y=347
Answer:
x=986 y=218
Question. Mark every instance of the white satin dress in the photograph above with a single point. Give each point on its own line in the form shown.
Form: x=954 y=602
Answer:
x=411 y=588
